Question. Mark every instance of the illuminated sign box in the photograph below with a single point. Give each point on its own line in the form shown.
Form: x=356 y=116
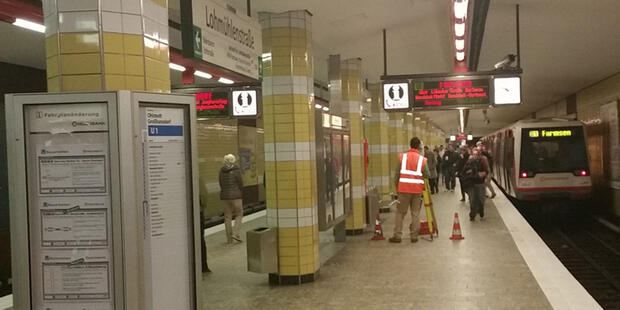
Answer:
x=245 y=102
x=451 y=93
x=396 y=96
x=212 y=104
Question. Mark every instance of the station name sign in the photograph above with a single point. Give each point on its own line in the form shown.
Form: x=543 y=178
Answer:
x=469 y=90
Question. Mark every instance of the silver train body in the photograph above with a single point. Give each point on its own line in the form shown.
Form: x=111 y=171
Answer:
x=541 y=160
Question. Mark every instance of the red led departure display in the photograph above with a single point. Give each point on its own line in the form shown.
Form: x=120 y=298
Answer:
x=450 y=94
x=211 y=104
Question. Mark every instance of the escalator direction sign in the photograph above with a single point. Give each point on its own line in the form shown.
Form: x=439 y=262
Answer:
x=396 y=96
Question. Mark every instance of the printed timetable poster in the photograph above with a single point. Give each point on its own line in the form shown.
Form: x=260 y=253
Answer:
x=166 y=204
x=70 y=208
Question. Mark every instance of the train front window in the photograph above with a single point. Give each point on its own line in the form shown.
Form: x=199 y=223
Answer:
x=557 y=149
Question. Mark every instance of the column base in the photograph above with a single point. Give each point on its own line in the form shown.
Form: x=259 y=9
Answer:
x=353 y=232
x=276 y=279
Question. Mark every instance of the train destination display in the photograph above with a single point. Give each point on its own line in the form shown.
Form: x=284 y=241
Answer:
x=212 y=104
x=444 y=94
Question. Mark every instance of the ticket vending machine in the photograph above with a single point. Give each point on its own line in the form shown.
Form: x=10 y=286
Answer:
x=104 y=201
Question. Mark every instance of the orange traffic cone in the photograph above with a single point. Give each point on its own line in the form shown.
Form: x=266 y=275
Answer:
x=456 y=228
x=378 y=230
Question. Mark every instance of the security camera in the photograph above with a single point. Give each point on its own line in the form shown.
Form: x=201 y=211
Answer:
x=507 y=62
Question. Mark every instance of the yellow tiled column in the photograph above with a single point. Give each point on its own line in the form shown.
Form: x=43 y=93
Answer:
x=93 y=45
x=350 y=70
x=290 y=160
x=378 y=143
x=395 y=128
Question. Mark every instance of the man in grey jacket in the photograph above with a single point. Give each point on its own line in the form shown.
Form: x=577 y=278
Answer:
x=231 y=185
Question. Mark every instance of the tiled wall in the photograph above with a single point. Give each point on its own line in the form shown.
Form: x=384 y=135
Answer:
x=350 y=71
x=215 y=138
x=107 y=45
x=376 y=131
x=290 y=159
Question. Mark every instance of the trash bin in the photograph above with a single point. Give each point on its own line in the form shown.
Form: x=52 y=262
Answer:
x=262 y=246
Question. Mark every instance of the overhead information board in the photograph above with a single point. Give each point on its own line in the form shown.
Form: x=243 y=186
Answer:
x=437 y=91
x=450 y=94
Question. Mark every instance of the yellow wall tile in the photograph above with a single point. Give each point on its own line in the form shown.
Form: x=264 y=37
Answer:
x=114 y=64
x=79 y=43
x=81 y=82
x=133 y=44
x=53 y=84
x=51 y=65
x=151 y=48
x=114 y=82
x=80 y=64
x=112 y=42
x=134 y=82
x=51 y=46
x=134 y=65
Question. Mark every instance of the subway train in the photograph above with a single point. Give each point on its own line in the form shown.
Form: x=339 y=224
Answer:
x=541 y=159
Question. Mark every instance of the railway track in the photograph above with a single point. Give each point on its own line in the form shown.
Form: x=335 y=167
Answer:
x=591 y=252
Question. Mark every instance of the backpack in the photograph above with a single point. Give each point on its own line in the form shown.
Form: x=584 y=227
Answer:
x=470 y=171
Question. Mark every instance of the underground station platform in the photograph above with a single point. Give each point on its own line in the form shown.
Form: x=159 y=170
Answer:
x=500 y=264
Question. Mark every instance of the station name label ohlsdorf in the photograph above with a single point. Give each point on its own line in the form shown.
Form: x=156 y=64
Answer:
x=226 y=39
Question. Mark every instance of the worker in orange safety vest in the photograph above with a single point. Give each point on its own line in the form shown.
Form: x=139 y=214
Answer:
x=410 y=176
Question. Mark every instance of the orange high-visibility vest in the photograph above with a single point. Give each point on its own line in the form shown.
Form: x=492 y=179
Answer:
x=411 y=179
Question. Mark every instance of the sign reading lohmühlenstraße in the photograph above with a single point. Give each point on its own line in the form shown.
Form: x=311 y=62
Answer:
x=223 y=38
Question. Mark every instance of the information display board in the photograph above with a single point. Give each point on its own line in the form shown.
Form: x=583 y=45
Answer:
x=212 y=104
x=70 y=223
x=451 y=93
x=86 y=244
x=167 y=234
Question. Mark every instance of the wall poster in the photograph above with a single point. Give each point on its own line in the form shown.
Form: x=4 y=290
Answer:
x=70 y=211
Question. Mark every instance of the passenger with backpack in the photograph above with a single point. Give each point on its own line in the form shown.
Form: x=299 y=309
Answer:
x=475 y=171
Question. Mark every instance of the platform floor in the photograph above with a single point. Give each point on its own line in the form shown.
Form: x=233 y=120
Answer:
x=483 y=271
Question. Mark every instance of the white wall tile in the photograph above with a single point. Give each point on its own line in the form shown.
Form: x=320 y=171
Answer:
x=79 y=21
x=132 y=24
x=77 y=5
x=131 y=6
x=151 y=28
x=112 y=22
x=49 y=7
x=51 y=25
x=111 y=5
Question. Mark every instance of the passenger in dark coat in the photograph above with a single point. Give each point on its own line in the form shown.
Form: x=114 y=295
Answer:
x=460 y=163
x=231 y=185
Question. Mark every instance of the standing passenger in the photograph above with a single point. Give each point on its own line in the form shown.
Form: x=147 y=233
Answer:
x=431 y=161
x=231 y=184
x=474 y=174
x=410 y=183
x=449 y=163
x=484 y=152
x=460 y=163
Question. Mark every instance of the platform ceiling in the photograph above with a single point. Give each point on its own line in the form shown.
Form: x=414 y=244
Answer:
x=566 y=45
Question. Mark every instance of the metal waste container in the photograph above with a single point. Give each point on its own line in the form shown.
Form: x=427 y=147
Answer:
x=262 y=246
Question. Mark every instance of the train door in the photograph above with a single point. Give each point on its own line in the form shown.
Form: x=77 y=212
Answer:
x=346 y=160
